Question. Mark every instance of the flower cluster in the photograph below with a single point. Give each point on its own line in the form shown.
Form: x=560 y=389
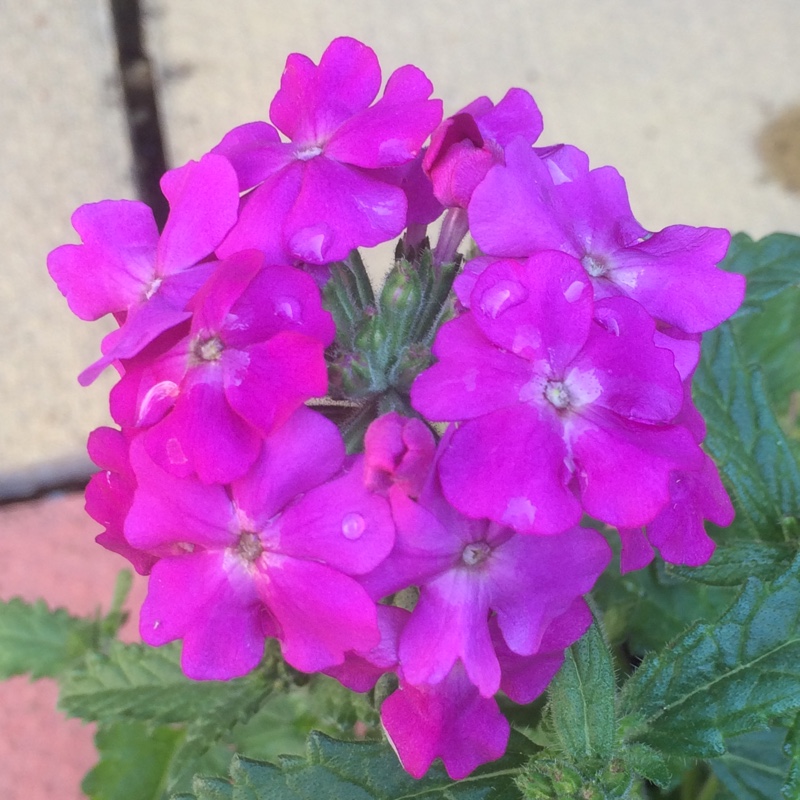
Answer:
x=456 y=562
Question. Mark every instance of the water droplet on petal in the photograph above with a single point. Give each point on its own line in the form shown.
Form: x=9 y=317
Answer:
x=574 y=291
x=353 y=525
x=502 y=296
x=288 y=308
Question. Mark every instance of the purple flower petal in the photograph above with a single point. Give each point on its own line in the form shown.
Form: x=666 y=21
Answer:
x=471 y=378
x=509 y=466
x=302 y=453
x=340 y=523
x=321 y=613
x=340 y=208
x=449 y=720
x=113 y=267
x=314 y=100
x=255 y=151
x=168 y=510
x=204 y=202
x=213 y=607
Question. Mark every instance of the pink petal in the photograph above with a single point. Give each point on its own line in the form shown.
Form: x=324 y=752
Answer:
x=204 y=203
x=265 y=383
x=313 y=101
x=472 y=377
x=509 y=466
x=624 y=466
x=392 y=131
x=340 y=523
x=212 y=607
x=637 y=552
x=203 y=434
x=340 y=208
x=255 y=151
x=114 y=266
x=451 y=622
x=449 y=720
x=167 y=509
x=302 y=453
x=321 y=613
x=541 y=310
x=262 y=216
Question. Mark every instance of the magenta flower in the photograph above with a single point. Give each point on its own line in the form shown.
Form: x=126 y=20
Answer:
x=253 y=354
x=273 y=554
x=398 y=451
x=125 y=268
x=678 y=531
x=468 y=144
x=562 y=397
x=320 y=194
x=449 y=720
x=109 y=495
x=520 y=209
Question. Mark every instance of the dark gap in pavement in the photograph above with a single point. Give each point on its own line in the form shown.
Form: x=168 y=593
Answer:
x=141 y=106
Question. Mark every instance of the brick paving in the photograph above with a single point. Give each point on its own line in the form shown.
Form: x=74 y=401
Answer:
x=47 y=550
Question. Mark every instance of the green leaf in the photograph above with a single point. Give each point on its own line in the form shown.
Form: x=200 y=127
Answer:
x=582 y=702
x=768 y=324
x=734 y=562
x=335 y=770
x=723 y=679
x=650 y=764
x=745 y=439
x=754 y=768
x=770 y=264
x=134 y=760
x=137 y=682
x=39 y=641
x=650 y=607
x=791 y=787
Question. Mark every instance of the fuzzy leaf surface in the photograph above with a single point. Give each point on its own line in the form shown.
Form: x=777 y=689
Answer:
x=41 y=641
x=332 y=770
x=734 y=562
x=723 y=679
x=582 y=701
x=745 y=439
x=137 y=682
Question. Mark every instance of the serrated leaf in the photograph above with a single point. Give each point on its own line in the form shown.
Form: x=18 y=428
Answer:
x=723 y=679
x=745 y=439
x=734 y=562
x=39 y=641
x=582 y=702
x=754 y=768
x=208 y=789
x=650 y=764
x=137 y=682
x=770 y=264
x=134 y=760
x=334 y=770
x=650 y=607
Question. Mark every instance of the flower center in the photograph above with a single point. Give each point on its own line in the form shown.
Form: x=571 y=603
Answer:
x=249 y=546
x=557 y=394
x=595 y=266
x=309 y=152
x=207 y=349
x=475 y=553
